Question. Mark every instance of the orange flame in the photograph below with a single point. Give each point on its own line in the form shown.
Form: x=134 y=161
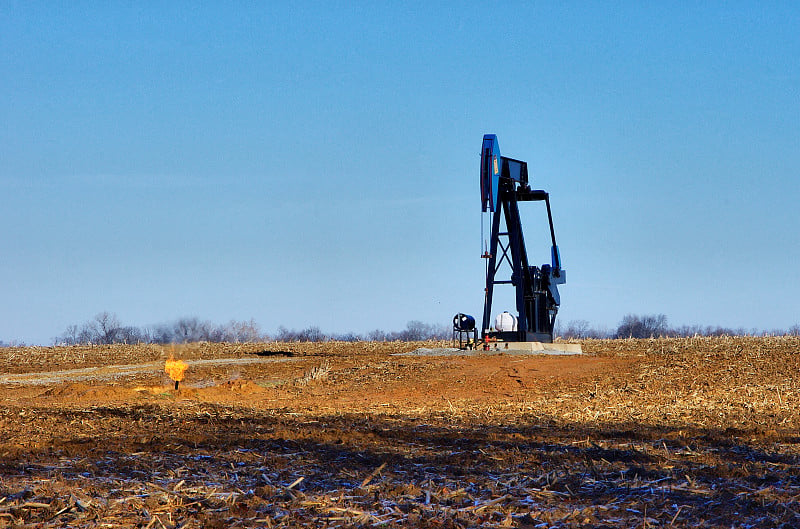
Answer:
x=176 y=369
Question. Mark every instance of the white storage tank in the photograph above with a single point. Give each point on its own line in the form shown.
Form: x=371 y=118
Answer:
x=505 y=322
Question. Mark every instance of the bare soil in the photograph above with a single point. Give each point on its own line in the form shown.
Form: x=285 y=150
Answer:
x=637 y=433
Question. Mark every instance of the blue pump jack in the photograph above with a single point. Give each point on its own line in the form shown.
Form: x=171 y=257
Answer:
x=504 y=184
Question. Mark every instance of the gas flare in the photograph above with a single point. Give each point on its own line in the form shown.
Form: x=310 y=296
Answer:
x=176 y=369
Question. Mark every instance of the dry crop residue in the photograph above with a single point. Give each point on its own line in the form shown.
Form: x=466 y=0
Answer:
x=637 y=433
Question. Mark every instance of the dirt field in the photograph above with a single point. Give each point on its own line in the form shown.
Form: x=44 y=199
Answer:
x=637 y=433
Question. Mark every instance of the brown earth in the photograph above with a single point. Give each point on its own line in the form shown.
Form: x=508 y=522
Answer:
x=637 y=433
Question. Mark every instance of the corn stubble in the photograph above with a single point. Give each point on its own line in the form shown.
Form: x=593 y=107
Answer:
x=697 y=432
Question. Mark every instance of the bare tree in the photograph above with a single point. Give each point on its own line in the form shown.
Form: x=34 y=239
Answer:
x=70 y=336
x=187 y=330
x=346 y=337
x=378 y=335
x=648 y=326
x=132 y=335
x=162 y=333
x=309 y=334
x=102 y=329
x=243 y=331
x=576 y=330
x=107 y=326
x=416 y=331
x=312 y=334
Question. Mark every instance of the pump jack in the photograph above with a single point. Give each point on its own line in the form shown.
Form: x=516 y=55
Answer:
x=504 y=184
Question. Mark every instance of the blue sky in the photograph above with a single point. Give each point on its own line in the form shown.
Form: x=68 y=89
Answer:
x=317 y=164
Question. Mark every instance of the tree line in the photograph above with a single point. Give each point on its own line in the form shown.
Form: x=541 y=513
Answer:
x=105 y=328
x=657 y=326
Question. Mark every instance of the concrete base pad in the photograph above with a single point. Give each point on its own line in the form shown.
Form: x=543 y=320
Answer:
x=514 y=348
x=538 y=348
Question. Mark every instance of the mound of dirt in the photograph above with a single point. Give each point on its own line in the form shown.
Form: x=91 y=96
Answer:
x=237 y=387
x=80 y=391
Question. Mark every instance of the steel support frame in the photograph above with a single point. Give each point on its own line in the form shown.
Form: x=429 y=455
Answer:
x=533 y=326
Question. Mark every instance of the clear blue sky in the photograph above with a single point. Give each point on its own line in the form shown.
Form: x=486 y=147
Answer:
x=317 y=163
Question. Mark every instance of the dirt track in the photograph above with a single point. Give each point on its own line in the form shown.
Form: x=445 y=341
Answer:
x=104 y=374
x=654 y=433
